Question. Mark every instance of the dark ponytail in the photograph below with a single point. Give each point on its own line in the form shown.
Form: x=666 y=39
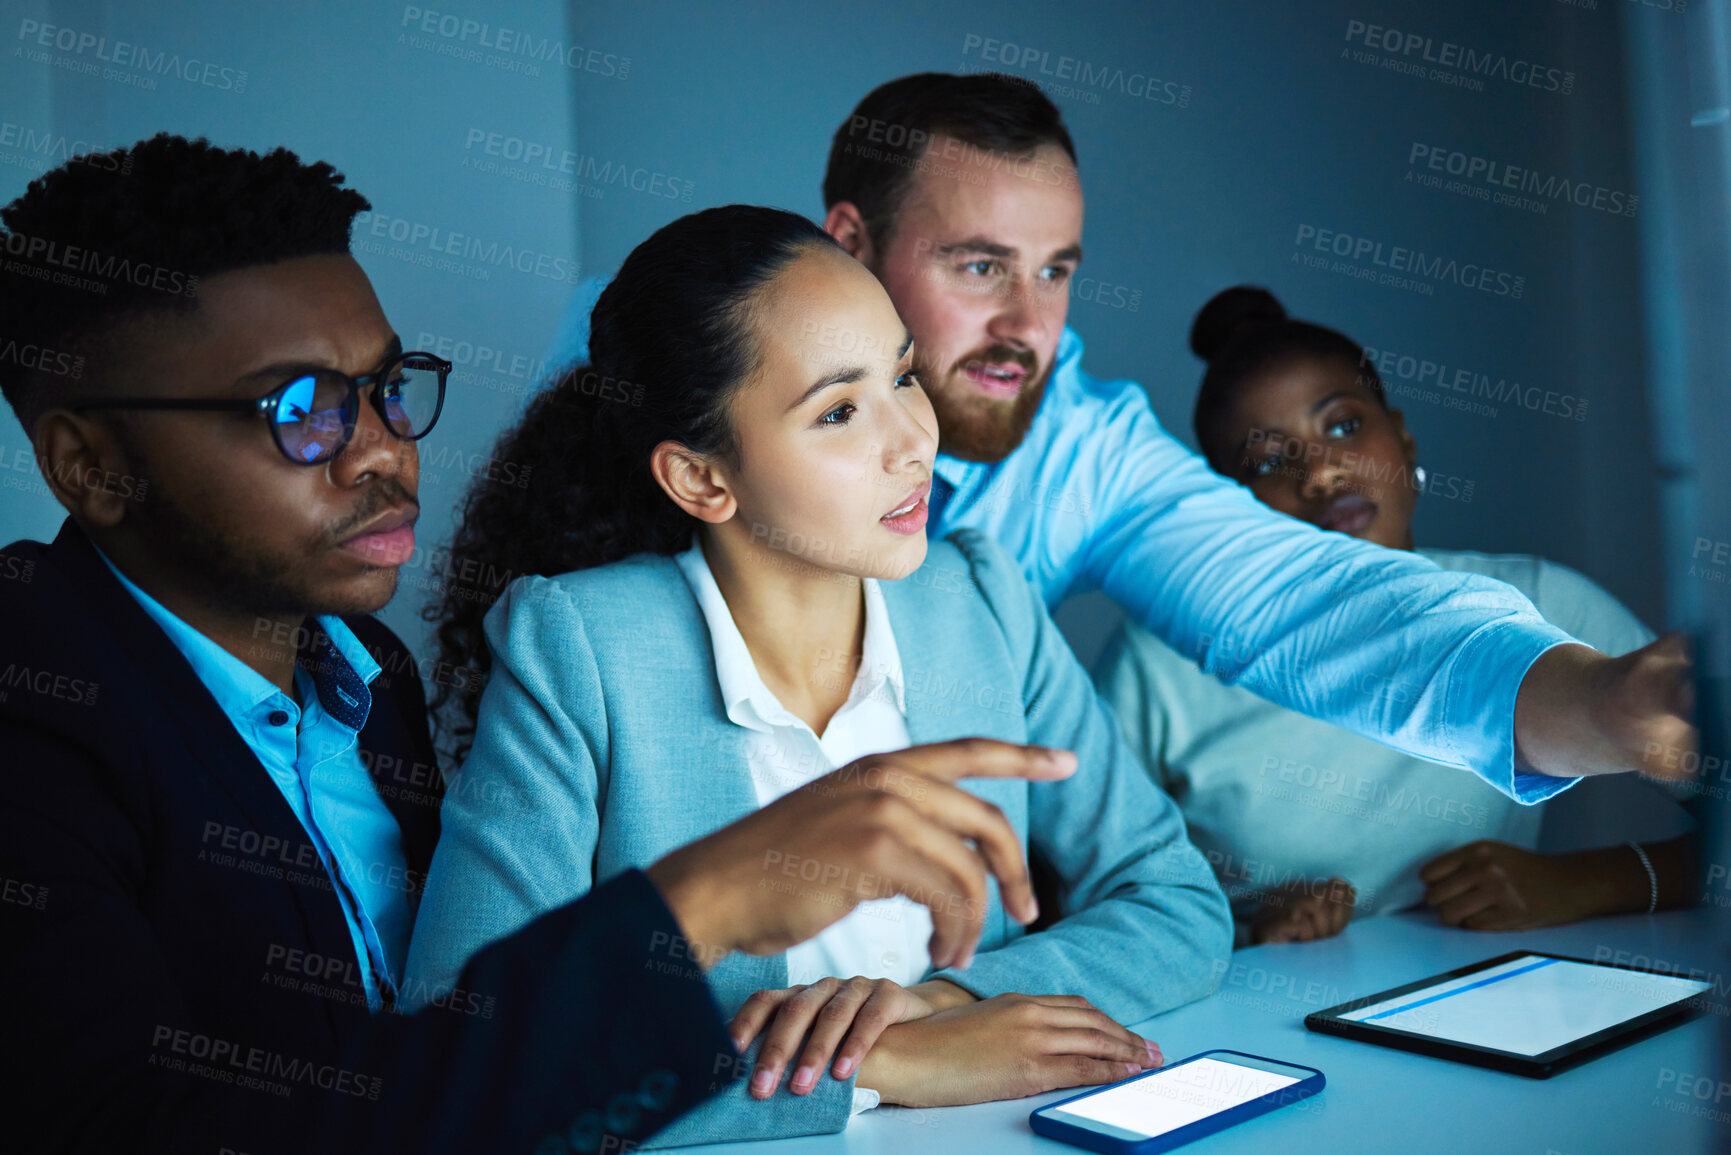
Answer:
x=669 y=344
x=1244 y=333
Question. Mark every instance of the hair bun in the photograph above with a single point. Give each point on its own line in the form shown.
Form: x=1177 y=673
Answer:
x=1230 y=312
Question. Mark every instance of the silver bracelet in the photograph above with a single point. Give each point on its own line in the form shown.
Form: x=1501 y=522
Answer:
x=1652 y=876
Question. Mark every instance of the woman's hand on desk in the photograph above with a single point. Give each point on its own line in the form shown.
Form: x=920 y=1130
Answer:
x=1495 y=886
x=1304 y=912
x=1006 y=1047
x=860 y=1008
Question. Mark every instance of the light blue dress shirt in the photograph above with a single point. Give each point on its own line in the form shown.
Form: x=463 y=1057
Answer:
x=1100 y=497
x=1380 y=641
x=315 y=760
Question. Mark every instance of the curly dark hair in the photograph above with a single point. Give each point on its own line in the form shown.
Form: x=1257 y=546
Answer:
x=109 y=235
x=669 y=344
x=1244 y=333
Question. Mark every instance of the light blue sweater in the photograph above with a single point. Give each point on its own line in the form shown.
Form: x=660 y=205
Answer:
x=603 y=744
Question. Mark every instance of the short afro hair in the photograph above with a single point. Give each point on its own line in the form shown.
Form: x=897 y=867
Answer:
x=108 y=236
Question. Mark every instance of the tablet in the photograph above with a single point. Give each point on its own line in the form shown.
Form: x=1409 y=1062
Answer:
x=1527 y=1013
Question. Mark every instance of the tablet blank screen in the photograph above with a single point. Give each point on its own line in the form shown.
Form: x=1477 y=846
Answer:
x=1529 y=1005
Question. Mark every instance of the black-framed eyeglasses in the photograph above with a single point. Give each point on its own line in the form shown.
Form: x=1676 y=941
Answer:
x=312 y=417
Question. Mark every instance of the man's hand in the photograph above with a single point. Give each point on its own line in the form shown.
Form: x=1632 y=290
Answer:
x=1005 y=1047
x=1581 y=713
x=884 y=825
x=860 y=1007
x=1302 y=913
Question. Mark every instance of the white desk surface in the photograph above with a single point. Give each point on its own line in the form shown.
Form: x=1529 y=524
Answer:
x=1645 y=1098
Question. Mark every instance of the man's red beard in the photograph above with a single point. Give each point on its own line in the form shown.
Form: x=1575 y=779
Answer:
x=977 y=428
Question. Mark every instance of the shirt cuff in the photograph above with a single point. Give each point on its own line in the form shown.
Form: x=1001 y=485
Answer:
x=864 y=1099
x=1480 y=705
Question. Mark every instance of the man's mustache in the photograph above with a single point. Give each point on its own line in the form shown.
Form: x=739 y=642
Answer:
x=387 y=494
x=998 y=354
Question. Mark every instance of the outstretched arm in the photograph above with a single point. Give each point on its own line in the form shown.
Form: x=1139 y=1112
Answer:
x=1452 y=667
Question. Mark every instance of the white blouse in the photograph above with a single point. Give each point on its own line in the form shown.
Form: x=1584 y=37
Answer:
x=881 y=938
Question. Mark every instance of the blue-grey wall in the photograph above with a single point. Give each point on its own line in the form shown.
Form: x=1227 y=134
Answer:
x=1212 y=136
x=1262 y=126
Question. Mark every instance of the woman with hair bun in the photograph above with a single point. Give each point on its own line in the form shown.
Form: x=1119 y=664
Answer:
x=720 y=590
x=1307 y=824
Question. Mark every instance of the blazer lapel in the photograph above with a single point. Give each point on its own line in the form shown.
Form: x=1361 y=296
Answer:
x=179 y=698
x=685 y=656
x=960 y=683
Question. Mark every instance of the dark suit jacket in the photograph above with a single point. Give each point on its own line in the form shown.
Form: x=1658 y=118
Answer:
x=178 y=974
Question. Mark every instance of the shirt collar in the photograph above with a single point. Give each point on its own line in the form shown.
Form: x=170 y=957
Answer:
x=751 y=703
x=880 y=660
x=238 y=688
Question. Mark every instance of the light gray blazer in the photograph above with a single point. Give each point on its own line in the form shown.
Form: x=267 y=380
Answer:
x=603 y=744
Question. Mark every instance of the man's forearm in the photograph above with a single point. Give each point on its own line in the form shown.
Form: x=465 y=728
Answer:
x=1554 y=729
x=1580 y=713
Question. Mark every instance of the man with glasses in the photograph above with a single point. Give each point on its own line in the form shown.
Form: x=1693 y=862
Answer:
x=208 y=890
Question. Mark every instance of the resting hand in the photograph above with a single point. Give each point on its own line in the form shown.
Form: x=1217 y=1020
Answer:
x=1495 y=886
x=860 y=1007
x=1304 y=912
x=1005 y=1047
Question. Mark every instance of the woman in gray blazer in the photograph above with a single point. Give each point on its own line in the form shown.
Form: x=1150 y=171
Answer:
x=720 y=589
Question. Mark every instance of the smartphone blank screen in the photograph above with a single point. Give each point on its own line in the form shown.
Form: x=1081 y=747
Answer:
x=1174 y=1098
